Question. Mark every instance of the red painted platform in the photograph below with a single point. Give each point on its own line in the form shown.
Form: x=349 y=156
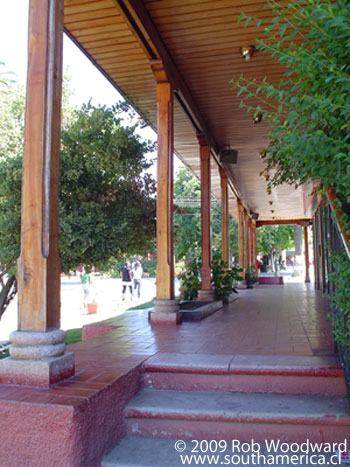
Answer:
x=270 y=280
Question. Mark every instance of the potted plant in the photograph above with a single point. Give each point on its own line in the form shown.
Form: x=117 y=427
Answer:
x=224 y=278
x=250 y=277
x=92 y=307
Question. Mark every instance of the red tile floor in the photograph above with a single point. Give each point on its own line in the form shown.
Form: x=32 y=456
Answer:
x=289 y=319
x=285 y=319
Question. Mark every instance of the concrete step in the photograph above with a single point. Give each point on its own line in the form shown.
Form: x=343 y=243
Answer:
x=278 y=374
x=153 y=452
x=223 y=415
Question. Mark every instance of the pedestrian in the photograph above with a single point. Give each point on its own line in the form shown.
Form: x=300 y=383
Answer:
x=85 y=282
x=126 y=276
x=137 y=275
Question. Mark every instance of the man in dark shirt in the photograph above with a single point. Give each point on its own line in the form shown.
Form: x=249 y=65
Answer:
x=126 y=276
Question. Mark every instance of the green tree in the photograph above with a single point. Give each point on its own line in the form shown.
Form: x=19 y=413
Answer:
x=309 y=109
x=187 y=219
x=107 y=202
x=265 y=239
x=12 y=104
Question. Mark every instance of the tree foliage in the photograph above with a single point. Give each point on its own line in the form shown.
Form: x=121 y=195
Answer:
x=266 y=238
x=107 y=203
x=309 y=109
x=340 y=275
x=107 y=200
x=187 y=219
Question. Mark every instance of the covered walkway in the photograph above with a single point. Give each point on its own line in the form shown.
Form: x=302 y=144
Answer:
x=84 y=417
x=268 y=320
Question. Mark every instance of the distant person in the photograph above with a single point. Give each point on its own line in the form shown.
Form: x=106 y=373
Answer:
x=126 y=276
x=85 y=282
x=137 y=275
x=258 y=265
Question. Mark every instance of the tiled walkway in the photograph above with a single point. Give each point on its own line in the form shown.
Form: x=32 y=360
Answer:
x=288 y=319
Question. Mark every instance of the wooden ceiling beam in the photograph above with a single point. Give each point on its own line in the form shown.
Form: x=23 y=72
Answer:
x=284 y=222
x=138 y=18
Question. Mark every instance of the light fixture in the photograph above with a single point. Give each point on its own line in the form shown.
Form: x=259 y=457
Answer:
x=257 y=118
x=268 y=191
x=247 y=52
x=266 y=176
x=272 y=211
x=228 y=156
x=270 y=203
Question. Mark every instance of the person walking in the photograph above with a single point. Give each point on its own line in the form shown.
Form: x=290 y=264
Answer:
x=85 y=282
x=137 y=275
x=126 y=276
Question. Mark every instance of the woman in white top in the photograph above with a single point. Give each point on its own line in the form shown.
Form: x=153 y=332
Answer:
x=137 y=274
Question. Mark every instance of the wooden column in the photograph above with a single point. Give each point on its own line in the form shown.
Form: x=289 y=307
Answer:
x=322 y=253
x=251 y=243
x=306 y=248
x=240 y=236
x=165 y=305
x=316 y=258
x=206 y=292
x=246 y=238
x=225 y=252
x=39 y=335
x=255 y=247
x=338 y=214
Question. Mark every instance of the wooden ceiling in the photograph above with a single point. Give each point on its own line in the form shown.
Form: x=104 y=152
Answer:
x=198 y=42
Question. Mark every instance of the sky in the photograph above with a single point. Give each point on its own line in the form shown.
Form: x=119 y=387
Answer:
x=13 y=52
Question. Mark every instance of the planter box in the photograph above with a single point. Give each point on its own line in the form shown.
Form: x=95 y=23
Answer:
x=91 y=308
x=195 y=310
x=271 y=280
x=231 y=298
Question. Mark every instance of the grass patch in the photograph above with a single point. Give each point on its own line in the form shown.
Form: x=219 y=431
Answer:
x=142 y=306
x=73 y=335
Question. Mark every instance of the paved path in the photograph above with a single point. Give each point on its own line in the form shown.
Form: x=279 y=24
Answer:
x=107 y=293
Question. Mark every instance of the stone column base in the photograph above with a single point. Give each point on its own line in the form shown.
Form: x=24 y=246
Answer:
x=307 y=279
x=37 y=359
x=165 y=312
x=206 y=295
x=37 y=373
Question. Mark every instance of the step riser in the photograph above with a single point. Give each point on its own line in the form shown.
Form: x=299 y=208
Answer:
x=278 y=384
x=244 y=432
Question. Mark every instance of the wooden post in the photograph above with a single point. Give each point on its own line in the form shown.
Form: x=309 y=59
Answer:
x=39 y=335
x=306 y=248
x=251 y=243
x=322 y=250
x=338 y=214
x=246 y=235
x=206 y=292
x=240 y=236
x=225 y=252
x=165 y=306
x=255 y=247
x=316 y=258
